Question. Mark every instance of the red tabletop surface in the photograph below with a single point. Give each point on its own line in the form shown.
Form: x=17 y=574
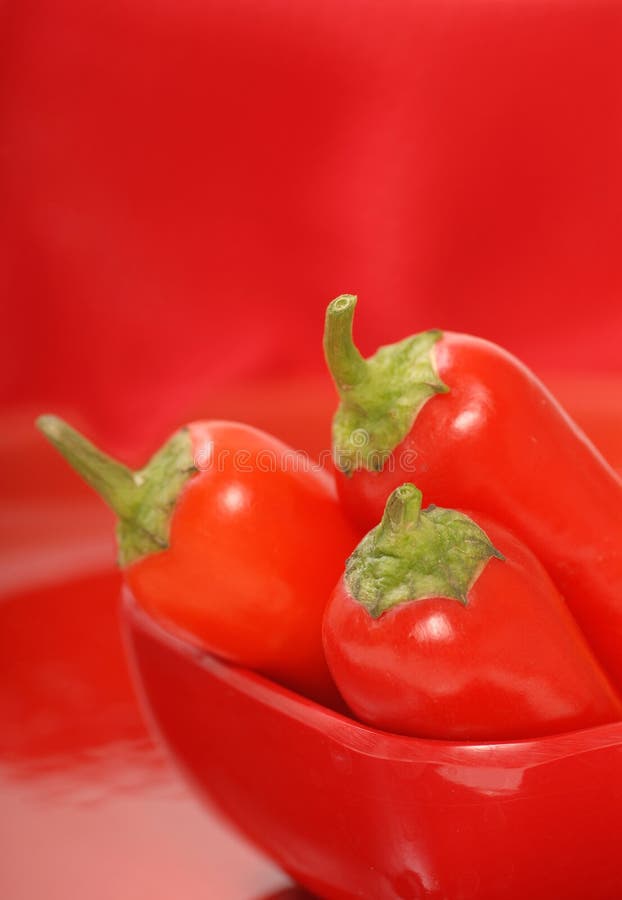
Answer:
x=91 y=805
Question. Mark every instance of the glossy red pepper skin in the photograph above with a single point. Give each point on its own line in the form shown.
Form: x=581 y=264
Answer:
x=497 y=442
x=511 y=663
x=229 y=538
x=257 y=539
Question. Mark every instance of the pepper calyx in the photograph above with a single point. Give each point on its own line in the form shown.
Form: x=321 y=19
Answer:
x=143 y=500
x=380 y=396
x=416 y=554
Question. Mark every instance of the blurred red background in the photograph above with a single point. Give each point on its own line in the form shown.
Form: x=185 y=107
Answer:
x=187 y=184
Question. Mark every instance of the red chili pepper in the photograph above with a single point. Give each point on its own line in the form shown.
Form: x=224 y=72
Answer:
x=446 y=626
x=231 y=539
x=477 y=430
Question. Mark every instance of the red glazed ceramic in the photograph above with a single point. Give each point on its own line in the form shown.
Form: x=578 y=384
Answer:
x=352 y=812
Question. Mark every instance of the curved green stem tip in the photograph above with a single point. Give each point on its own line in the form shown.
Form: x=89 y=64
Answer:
x=143 y=500
x=380 y=396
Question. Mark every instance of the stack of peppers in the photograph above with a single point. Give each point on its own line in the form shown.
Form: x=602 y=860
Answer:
x=492 y=613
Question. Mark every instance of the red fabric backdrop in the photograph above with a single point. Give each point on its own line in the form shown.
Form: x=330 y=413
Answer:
x=188 y=183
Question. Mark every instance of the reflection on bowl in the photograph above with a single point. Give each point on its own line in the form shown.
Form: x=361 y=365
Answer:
x=352 y=812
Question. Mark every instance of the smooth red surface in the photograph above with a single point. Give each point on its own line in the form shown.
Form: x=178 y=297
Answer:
x=90 y=805
x=498 y=443
x=353 y=812
x=85 y=793
x=187 y=184
x=510 y=663
x=257 y=542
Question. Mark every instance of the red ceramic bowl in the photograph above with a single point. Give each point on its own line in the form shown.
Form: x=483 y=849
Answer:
x=352 y=812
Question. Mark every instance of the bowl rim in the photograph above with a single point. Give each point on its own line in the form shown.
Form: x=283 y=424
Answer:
x=357 y=736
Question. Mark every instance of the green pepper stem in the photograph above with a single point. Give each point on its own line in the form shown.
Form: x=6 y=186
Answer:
x=417 y=554
x=113 y=481
x=345 y=363
x=401 y=511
